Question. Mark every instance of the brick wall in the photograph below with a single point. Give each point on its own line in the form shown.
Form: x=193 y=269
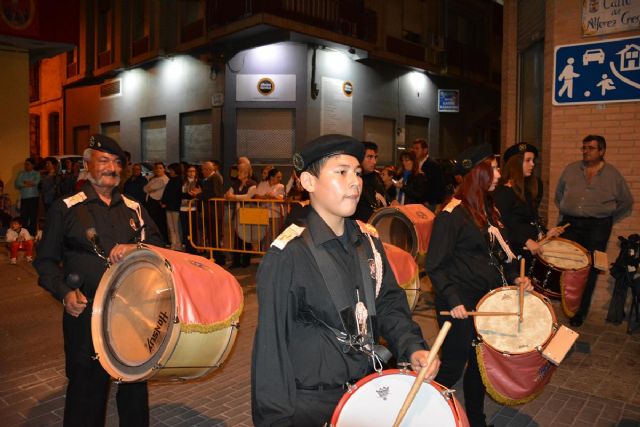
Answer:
x=564 y=127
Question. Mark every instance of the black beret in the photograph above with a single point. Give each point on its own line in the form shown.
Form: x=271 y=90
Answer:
x=103 y=143
x=471 y=157
x=518 y=148
x=325 y=146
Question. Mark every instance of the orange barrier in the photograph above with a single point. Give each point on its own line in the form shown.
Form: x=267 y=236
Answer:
x=244 y=226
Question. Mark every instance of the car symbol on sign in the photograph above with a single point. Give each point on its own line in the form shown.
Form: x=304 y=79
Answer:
x=591 y=55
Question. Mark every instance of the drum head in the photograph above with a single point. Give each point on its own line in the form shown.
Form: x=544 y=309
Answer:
x=565 y=255
x=505 y=333
x=396 y=228
x=377 y=399
x=133 y=316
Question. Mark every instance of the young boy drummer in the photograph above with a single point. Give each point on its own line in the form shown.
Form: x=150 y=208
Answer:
x=326 y=293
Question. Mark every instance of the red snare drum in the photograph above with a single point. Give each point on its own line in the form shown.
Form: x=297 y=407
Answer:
x=375 y=401
x=509 y=353
x=561 y=272
x=161 y=314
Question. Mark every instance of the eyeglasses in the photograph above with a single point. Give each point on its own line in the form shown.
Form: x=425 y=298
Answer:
x=588 y=147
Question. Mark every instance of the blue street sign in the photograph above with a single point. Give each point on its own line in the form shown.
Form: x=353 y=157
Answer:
x=600 y=72
x=448 y=101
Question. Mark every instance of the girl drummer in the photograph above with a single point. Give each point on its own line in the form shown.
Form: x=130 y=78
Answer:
x=468 y=256
x=517 y=197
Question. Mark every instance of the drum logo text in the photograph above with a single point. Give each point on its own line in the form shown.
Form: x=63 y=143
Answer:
x=383 y=392
x=163 y=319
x=542 y=372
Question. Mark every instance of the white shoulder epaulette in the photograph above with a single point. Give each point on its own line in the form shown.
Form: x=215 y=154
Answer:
x=452 y=204
x=135 y=206
x=367 y=228
x=289 y=233
x=75 y=199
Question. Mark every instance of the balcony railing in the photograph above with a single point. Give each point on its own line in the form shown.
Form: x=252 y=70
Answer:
x=347 y=17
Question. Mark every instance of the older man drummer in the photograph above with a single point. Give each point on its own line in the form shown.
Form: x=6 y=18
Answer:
x=83 y=233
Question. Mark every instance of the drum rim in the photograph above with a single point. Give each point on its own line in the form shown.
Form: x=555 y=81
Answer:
x=101 y=345
x=362 y=381
x=377 y=214
x=543 y=298
x=573 y=243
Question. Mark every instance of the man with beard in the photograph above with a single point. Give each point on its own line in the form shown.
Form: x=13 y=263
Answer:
x=83 y=233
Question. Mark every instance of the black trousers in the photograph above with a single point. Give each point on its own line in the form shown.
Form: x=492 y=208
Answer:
x=457 y=352
x=29 y=214
x=593 y=234
x=314 y=408
x=89 y=383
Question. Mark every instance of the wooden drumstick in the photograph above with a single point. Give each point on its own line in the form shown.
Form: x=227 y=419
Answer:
x=521 y=304
x=433 y=353
x=483 y=313
x=546 y=239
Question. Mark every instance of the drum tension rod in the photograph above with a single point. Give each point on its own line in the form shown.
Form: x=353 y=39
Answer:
x=404 y=367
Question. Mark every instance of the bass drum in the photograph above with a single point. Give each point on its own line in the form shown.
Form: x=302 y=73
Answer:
x=407 y=227
x=375 y=401
x=161 y=314
x=405 y=271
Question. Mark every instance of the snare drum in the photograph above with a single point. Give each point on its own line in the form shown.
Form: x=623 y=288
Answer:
x=161 y=314
x=509 y=353
x=561 y=271
x=405 y=270
x=407 y=227
x=375 y=401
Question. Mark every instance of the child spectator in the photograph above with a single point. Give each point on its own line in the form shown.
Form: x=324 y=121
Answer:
x=19 y=239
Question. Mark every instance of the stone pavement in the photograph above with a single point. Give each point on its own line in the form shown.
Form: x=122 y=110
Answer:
x=597 y=385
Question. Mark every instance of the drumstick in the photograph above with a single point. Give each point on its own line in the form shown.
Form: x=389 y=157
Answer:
x=521 y=305
x=433 y=353
x=482 y=313
x=546 y=239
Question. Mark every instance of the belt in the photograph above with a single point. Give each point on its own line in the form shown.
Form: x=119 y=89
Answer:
x=587 y=219
x=325 y=387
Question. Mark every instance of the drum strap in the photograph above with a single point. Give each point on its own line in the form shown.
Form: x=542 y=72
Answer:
x=364 y=344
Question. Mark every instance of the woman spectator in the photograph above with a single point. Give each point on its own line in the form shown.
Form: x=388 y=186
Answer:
x=154 y=190
x=272 y=189
x=412 y=182
x=239 y=192
x=170 y=202
x=190 y=190
x=517 y=197
x=468 y=257
x=388 y=175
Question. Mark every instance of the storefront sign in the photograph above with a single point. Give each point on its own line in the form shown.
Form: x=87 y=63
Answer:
x=260 y=87
x=448 y=101
x=336 y=115
x=609 y=16
x=598 y=72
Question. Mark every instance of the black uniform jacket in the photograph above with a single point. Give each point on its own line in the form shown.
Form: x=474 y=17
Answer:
x=458 y=261
x=65 y=239
x=518 y=217
x=290 y=348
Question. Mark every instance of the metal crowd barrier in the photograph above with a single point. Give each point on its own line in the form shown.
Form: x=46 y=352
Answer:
x=247 y=226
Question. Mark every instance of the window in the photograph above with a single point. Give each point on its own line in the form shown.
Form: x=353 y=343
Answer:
x=34 y=81
x=104 y=33
x=140 y=27
x=154 y=139
x=264 y=134
x=195 y=137
x=530 y=94
x=34 y=133
x=382 y=132
x=54 y=130
x=112 y=130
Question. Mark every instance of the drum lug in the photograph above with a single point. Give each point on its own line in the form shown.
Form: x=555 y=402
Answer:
x=168 y=265
x=404 y=367
x=447 y=393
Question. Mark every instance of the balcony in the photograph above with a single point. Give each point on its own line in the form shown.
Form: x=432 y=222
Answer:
x=347 y=17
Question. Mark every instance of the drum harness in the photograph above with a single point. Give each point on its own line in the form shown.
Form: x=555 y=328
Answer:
x=363 y=341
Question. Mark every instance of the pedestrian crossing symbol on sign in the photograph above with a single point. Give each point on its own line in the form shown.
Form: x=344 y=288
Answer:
x=606 y=71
